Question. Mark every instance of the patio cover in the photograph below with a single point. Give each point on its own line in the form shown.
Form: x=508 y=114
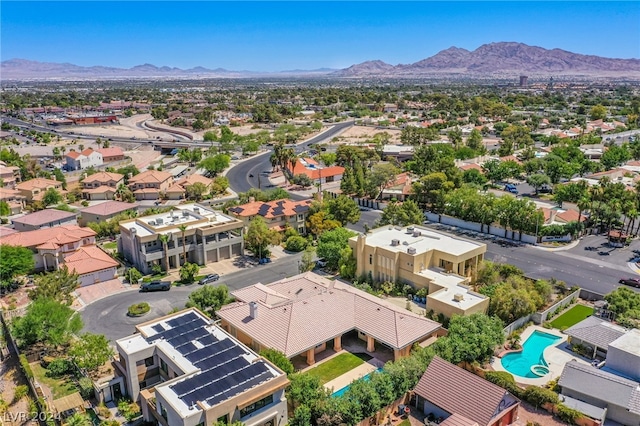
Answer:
x=69 y=402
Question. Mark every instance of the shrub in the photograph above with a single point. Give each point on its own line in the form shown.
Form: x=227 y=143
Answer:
x=24 y=363
x=20 y=392
x=138 y=309
x=504 y=380
x=566 y=414
x=85 y=387
x=296 y=244
x=156 y=269
x=58 y=367
x=539 y=396
x=103 y=411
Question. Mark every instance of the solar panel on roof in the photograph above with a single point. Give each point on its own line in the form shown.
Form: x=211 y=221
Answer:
x=158 y=327
x=228 y=360
x=186 y=348
x=174 y=322
x=210 y=350
x=208 y=339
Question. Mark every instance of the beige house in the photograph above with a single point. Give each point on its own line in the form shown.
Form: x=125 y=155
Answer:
x=10 y=175
x=178 y=191
x=34 y=189
x=104 y=211
x=291 y=315
x=209 y=236
x=14 y=199
x=424 y=258
x=277 y=214
x=150 y=185
x=186 y=371
x=101 y=185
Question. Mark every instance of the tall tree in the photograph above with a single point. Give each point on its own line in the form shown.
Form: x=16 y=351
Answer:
x=57 y=285
x=259 y=237
x=14 y=261
x=209 y=299
x=91 y=351
x=48 y=322
x=343 y=209
x=164 y=239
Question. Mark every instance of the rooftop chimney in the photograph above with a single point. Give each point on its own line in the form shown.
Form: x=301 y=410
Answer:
x=253 y=310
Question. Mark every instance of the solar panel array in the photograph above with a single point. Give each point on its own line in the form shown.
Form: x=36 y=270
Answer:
x=224 y=370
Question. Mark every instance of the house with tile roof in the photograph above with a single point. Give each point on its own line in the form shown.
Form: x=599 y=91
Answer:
x=101 y=186
x=595 y=334
x=290 y=315
x=316 y=172
x=14 y=199
x=178 y=190
x=185 y=370
x=150 y=184
x=399 y=189
x=209 y=236
x=105 y=211
x=92 y=265
x=47 y=218
x=424 y=258
x=110 y=154
x=34 y=189
x=81 y=160
x=10 y=175
x=50 y=244
x=278 y=214
x=446 y=390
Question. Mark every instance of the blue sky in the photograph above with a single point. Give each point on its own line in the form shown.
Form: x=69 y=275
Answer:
x=272 y=36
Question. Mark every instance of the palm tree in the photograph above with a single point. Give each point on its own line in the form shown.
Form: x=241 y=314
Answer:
x=583 y=204
x=164 y=238
x=183 y=229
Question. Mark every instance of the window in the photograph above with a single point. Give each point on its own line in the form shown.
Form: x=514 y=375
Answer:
x=163 y=366
x=300 y=217
x=223 y=419
x=163 y=412
x=251 y=408
x=370 y=259
x=148 y=362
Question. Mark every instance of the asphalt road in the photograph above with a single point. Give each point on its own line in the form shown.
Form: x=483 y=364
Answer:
x=239 y=175
x=108 y=316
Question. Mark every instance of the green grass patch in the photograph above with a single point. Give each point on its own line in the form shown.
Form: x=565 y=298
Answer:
x=154 y=278
x=59 y=387
x=335 y=367
x=572 y=317
x=110 y=246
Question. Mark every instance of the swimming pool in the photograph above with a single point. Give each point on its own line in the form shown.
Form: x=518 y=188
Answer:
x=341 y=392
x=531 y=360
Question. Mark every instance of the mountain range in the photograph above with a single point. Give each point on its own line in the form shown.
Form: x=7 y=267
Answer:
x=493 y=59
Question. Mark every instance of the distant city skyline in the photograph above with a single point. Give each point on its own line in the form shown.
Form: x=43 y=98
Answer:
x=276 y=36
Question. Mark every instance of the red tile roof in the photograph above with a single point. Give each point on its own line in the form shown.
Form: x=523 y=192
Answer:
x=456 y=390
x=194 y=178
x=458 y=420
x=41 y=183
x=315 y=172
x=43 y=217
x=111 y=152
x=150 y=176
x=57 y=236
x=73 y=154
x=570 y=216
x=89 y=259
x=271 y=209
x=103 y=177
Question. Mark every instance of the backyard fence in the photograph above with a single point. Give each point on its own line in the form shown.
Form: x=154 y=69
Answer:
x=364 y=202
x=541 y=317
x=492 y=229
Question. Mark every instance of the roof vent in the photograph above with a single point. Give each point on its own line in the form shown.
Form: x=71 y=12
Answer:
x=395 y=242
x=133 y=230
x=405 y=243
x=458 y=297
x=410 y=229
x=196 y=210
x=185 y=213
x=160 y=221
x=411 y=250
x=152 y=222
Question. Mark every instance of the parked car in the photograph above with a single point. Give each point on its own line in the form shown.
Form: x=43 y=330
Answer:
x=511 y=188
x=264 y=260
x=321 y=263
x=635 y=282
x=209 y=279
x=156 y=286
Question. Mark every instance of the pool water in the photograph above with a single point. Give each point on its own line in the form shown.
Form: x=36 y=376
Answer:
x=341 y=392
x=520 y=363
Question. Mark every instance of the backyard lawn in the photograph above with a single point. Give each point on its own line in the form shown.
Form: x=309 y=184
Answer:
x=58 y=387
x=110 y=246
x=572 y=317
x=336 y=367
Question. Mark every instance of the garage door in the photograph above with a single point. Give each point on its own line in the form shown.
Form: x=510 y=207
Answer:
x=225 y=252
x=236 y=249
x=212 y=256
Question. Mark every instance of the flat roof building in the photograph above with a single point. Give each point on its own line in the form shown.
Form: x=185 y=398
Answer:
x=209 y=236
x=185 y=370
x=424 y=258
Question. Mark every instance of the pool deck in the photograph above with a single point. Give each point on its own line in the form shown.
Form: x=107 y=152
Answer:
x=556 y=357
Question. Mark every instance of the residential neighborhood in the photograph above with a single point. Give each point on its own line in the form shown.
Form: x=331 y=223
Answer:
x=323 y=250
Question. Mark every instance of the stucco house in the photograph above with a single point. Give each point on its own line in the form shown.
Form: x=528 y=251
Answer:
x=104 y=211
x=187 y=371
x=110 y=154
x=47 y=218
x=458 y=397
x=316 y=172
x=290 y=315
x=34 y=189
x=277 y=214
x=150 y=184
x=81 y=160
x=424 y=258
x=101 y=186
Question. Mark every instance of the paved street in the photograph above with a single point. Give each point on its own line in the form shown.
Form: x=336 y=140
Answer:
x=108 y=316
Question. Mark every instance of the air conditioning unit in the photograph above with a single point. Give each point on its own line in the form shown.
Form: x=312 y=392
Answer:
x=411 y=250
x=395 y=242
x=417 y=233
x=458 y=297
x=185 y=213
x=196 y=210
x=160 y=221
